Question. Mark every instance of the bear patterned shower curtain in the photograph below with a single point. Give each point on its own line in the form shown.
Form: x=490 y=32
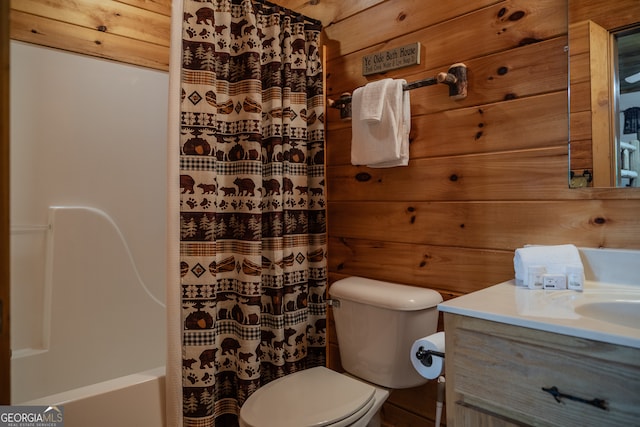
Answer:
x=252 y=208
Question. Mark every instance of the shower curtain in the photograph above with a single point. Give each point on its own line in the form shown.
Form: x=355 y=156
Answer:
x=252 y=207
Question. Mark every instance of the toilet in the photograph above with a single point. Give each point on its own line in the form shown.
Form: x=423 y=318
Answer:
x=376 y=324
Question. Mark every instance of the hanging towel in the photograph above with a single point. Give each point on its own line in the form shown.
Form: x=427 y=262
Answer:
x=373 y=97
x=383 y=143
x=554 y=259
x=404 y=136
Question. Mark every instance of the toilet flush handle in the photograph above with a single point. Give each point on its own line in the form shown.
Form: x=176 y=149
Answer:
x=333 y=303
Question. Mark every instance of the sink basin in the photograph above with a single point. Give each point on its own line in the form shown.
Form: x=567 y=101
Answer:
x=620 y=312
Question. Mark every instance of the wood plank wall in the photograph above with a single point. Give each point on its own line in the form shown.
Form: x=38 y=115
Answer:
x=130 y=31
x=487 y=174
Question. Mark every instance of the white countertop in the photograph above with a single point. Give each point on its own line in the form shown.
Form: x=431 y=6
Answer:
x=551 y=311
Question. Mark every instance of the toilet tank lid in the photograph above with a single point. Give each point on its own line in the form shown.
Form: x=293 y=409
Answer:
x=384 y=294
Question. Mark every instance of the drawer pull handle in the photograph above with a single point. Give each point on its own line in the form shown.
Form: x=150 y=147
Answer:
x=553 y=391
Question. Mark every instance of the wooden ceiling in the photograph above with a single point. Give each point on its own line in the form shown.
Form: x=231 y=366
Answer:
x=328 y=11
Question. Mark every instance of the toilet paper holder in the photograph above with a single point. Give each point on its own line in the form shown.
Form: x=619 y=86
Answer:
x=426 y=356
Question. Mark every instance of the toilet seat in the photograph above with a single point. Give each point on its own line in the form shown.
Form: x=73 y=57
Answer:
x=314 y=397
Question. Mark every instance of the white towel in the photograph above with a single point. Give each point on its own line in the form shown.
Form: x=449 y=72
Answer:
x=554 y=258
x=373 y=97
x=384 y=143
x=404 y=136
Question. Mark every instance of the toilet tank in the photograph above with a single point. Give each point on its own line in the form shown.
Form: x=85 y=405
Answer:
x=376 y=323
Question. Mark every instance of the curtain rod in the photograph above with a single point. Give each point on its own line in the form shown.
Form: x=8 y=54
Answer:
x=293 y=12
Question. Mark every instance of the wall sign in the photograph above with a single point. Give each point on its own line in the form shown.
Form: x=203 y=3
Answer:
x=399 y=57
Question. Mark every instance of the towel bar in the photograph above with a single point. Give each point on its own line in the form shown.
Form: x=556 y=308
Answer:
x=455 y=78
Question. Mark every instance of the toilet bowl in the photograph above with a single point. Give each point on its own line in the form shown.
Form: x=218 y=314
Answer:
x=376 y=324
x=313 y=397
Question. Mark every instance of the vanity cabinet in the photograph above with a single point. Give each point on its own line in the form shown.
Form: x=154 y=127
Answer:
x=496 y=374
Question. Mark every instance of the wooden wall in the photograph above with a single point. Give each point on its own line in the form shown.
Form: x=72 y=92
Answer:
x=130 y=31
x=487 y=174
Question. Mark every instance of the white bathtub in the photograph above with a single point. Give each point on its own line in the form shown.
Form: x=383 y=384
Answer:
x=136 y=400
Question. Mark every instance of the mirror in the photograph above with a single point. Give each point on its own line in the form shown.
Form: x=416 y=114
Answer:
x=626 y=55
x=604 y=104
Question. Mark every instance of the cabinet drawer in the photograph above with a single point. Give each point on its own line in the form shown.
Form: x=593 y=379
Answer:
x=505 y=369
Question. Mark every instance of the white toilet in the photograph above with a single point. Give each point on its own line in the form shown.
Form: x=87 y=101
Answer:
x=376 y=323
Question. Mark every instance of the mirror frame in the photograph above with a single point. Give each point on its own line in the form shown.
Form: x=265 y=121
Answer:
x=591 y=99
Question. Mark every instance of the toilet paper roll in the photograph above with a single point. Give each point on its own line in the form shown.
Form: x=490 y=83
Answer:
x=423 y=367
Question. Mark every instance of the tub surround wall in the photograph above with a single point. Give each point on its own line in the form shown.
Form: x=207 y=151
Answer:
x=95 y=311
x=98 y=141
x=126 y=31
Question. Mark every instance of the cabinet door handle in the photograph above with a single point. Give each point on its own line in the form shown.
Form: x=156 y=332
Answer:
x=557 y=395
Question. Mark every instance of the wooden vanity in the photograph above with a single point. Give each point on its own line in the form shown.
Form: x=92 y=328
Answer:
x=496 y=374
x=519 y=357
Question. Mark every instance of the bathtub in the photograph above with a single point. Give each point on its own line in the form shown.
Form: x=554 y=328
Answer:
x=136 y=400
x=100 y=348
